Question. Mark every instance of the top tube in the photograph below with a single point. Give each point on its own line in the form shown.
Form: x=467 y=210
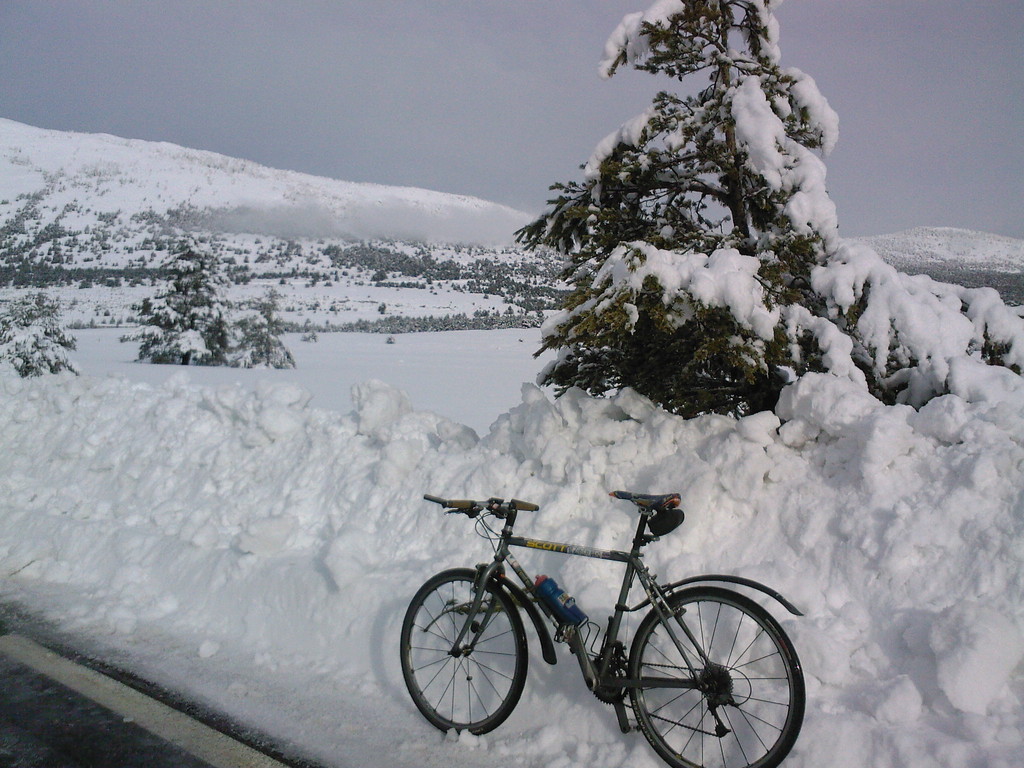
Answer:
x=569 y=549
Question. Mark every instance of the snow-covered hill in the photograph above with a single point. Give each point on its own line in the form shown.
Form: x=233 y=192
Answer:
x=959 y=256
x=925 y=246
x=80 y=181
x=93 y=217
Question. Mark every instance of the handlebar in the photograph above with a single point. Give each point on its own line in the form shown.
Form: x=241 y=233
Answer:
x=472 y=508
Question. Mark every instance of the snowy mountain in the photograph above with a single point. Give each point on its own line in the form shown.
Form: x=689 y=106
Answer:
x=933 y=246
x=957 y=256
x=74 y=181
x=102 y=213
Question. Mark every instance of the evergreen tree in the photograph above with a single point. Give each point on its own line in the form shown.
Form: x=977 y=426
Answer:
x=186 y=323
x=257 y=337
x=702 y=247
x=697 y=221
x=31 y=336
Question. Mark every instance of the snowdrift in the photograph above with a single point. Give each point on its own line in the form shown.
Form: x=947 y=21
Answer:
x=247 y=525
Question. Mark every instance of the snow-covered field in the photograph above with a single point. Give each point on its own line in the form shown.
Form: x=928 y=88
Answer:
x=468 y=376
x=256 y=544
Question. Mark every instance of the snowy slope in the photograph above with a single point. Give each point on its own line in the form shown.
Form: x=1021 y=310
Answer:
x=259 y=552
x=104 y=176
x=947 y=245
x=961 y=256
x=93 y=217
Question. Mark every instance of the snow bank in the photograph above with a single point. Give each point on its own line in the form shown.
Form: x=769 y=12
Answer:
x=288 y=540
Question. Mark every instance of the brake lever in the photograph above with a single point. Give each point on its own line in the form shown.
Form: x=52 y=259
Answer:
x=471 y=512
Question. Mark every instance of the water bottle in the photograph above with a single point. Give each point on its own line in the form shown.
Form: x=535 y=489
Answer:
x=560 y=603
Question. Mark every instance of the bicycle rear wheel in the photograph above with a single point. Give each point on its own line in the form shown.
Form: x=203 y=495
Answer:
x=752 y=682
x=476 y=687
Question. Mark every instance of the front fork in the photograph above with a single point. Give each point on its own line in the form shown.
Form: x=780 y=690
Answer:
x=472 y=625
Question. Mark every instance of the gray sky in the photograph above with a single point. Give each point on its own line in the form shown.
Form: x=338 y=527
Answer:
x=501 y=98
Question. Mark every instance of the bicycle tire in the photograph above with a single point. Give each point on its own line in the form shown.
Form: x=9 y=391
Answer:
x=764 y=682
x=477 y=691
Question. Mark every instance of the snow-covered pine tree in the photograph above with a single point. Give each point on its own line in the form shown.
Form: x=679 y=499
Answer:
x=186 y=323
x=702 y=247
x=257 y=342
x=32 y=338
x=697 y=220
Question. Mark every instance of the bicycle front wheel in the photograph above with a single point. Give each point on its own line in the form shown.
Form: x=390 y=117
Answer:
x=473 y=687
x=727 y=693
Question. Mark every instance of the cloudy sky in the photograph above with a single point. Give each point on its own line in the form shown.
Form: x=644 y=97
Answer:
x=501 y=98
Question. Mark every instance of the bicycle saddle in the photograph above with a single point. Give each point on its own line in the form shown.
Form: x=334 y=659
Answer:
x=663 y=508
x=656 y=502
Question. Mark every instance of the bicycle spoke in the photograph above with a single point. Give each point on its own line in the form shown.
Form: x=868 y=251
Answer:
x=428 y=664
x=753 y=730
x=739 y=742
x=494 y=688
x=492 y=669
x=665 y=656
x=748 y=715
x=679 y=723
x=684 y=716
x=449 y=687
x=693 y=731
x=432 y=633
x=673 y=700
x=714 y=630
x=759 y=658
x=768 y=701
x=743 y=653
x=434 y=622
x=735 y=639
x=477 y=653
x=779 y=679
x=494 y=637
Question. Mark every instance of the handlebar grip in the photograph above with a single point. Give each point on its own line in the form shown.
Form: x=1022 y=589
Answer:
x=451 y=503
x=524 y=506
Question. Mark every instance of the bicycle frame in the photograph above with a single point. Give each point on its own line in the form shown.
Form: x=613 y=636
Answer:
x=601 y=674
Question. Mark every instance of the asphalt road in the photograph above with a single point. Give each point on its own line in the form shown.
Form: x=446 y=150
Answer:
x=59 y=709
x=44 y=724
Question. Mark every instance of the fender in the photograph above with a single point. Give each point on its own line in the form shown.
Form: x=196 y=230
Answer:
x=494 y=572
x=547 y=648
x=756 y=585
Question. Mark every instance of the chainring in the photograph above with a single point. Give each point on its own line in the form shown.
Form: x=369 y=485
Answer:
x=613 y=694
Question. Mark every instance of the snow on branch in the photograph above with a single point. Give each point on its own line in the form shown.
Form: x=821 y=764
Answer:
x=725 y=278
x=916 y=332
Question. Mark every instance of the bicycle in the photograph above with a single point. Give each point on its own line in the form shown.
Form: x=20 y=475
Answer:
x=710 y=676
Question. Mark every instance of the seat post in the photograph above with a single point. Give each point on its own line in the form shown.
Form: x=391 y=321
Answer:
x=640 y=538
